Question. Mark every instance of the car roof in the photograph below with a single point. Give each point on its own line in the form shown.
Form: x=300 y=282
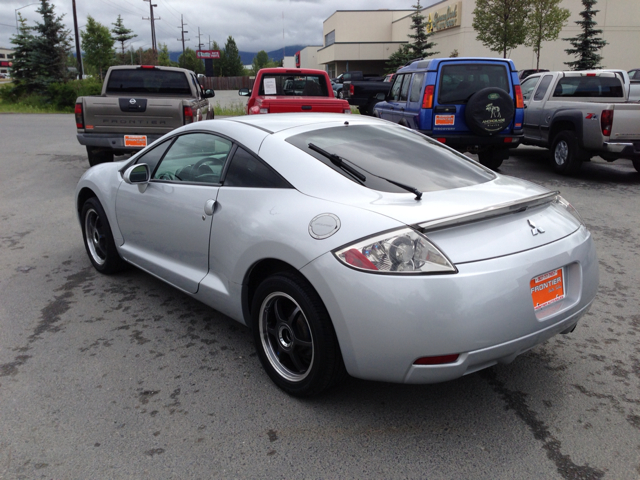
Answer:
x=277 y=122
x=295 y=71
x=433 y=63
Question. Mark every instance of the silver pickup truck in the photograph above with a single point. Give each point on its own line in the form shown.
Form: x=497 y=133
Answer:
x=578 y=115
x=137 y=106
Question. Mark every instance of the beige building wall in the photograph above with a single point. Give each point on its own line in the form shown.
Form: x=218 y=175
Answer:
x=309 y=57
x=370 y=37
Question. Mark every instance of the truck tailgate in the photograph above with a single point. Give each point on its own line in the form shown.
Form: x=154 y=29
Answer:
x=306 y=104
x=626 y=122
x=123 y=115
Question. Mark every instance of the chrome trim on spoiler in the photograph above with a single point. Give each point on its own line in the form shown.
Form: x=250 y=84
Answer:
x=490 y=212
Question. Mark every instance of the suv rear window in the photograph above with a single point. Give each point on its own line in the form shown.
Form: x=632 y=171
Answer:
x=148 y=81
x=288 y=84
x=395 y=153
x=588 y=87
x=458 y=82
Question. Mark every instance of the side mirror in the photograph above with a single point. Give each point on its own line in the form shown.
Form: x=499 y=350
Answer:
x=244 y=92
x=136 y=174
x=208 y=93
x=381 y=96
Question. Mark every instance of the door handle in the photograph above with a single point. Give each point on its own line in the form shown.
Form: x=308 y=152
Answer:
x=209 y=206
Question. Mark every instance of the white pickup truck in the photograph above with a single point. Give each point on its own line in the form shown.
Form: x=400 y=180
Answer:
x=578 y=115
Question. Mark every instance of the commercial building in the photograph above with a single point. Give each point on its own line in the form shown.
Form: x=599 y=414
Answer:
x=364 y=40
x=6 y=59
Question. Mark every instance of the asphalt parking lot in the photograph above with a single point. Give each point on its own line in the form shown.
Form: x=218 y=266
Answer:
x=124 y=377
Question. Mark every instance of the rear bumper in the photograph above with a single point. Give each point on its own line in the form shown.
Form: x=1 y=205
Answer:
x=111 y=141
x=623 y=149
x=467 y=142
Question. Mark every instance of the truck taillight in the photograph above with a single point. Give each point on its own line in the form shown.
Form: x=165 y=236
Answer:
x=606 y=121
x=427 y=98
x=188 y=115
x=519 y=98
x=351 y=90
x=79 y=116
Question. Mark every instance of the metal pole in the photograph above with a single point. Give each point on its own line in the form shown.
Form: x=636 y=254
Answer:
x=78 y=51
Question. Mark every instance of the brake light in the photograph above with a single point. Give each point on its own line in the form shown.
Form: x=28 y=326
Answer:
x=351 y=90
x=508 y=140
x=442 y=140
x=606 y=121
x=591 y=74
x=148 y=66
x=188 y=115
x=79 y=116
x=427 y=98
x=437 y=360
x=519 y=98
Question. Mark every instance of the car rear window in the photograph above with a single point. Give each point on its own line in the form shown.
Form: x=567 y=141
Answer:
x=458 y=82
x=396 y=153
x=144 y=80
x=289 y=84
x=589 y=87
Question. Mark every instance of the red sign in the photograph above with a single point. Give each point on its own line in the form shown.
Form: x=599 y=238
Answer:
x=6 y=64
x=208 y=54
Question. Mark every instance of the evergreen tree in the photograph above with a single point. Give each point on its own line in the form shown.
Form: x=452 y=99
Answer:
x=421 y=46
x=232 y=66
x=121 y=33
x=98 y=46
x=586 y=45
x=544 y=23
x=51 y=45
x=190 y=61
x=163 y=56
x=218 y=64
x=22 y=70
x=261 y=60
x=500 y=24
x=399 y=58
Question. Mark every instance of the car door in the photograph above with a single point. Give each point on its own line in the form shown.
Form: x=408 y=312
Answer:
x=528 y=86
x=414 y=102
x=167 y=225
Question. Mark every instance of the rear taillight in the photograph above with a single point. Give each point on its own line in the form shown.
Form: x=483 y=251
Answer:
x=150 y=67
x=346 y=110
x=427 y=98
x=519 y=98
x=79 y=116
x=606 y=121
x=188 y=115
x=437 y=360
x=351 y=90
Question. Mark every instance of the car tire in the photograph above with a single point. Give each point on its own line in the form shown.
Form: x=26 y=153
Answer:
x=294 y=336
x=490 y=159
x=566 y=154
x=98 y=239
x=97 y=156
x=636 y=164
x=489 y=111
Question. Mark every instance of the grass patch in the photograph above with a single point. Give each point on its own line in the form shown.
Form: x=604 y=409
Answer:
x=235 y=110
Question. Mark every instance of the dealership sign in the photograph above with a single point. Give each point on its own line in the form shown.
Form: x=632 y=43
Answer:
x=208 y=54
x=445 y=18
x=6 y=64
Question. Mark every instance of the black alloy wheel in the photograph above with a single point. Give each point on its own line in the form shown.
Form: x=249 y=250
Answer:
x=98 y=239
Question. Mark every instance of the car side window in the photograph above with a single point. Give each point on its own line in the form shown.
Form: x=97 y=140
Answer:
x=542 y=88
x=153 y=156
x=416 y=87
x=245 y=170
x=528 y=86
x=194 y=158
x=395 y=88
x=404 y=91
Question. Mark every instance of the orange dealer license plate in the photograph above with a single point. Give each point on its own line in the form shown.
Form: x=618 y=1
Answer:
x=547 y=288
x=135 y=141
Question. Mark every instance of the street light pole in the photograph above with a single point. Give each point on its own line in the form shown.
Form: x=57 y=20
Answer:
x=16 y=12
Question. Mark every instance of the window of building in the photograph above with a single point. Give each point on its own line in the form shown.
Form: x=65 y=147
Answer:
x=330 y=38
x=2 y=55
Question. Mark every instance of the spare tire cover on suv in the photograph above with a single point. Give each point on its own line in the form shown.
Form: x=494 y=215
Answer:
x=489 y=111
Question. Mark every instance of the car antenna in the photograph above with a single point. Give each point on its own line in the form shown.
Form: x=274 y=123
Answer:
x=346 y=124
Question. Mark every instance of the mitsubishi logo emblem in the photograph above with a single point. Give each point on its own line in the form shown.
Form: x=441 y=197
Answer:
x=535 y=230
x=132 y=101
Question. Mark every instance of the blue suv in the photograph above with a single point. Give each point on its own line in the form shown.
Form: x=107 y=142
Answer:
x=472 y=104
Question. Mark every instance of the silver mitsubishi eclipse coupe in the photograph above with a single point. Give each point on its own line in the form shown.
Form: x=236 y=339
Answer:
x=348 y=246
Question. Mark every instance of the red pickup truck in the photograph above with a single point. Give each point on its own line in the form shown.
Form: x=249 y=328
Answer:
x=280 y=90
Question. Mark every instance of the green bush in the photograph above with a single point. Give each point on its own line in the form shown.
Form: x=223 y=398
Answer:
x=63 y=95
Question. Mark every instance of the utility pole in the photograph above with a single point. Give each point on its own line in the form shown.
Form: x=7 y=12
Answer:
x=199 y=43
x=154 y=46
x=181 y=27
x=78 y=51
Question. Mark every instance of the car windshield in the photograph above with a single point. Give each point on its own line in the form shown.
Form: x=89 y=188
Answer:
x=395 y=153
x=290 y=84
x=458 y=82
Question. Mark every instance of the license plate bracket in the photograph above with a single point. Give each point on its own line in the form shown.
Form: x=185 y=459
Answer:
x=548 y=288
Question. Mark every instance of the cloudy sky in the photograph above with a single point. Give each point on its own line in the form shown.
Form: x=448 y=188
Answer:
x=254 y=24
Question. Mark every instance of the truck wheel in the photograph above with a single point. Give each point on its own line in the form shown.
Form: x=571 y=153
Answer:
x=340 y=94
x=636 y=164
x=97 y=155
x=566 y=154
x=490 y=158
x=489 y=111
